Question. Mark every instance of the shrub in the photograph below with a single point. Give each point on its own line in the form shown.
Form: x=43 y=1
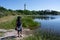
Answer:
x=28 y=22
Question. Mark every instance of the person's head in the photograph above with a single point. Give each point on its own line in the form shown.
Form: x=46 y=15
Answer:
x=18 y=18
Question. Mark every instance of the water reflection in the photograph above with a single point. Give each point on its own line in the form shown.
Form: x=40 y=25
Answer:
x=45 y=18
x=50 y=25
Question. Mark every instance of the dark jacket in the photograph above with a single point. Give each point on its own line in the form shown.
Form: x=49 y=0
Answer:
x=18 y=24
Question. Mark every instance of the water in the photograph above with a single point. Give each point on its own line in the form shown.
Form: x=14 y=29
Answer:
x=50 y=24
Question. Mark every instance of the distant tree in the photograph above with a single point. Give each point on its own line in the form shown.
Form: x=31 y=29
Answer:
x=27 y=12
x=54 y=12
x=34 y=12
x=6 y=12
x=2 y=9
x=20 y=11
x=10 y=10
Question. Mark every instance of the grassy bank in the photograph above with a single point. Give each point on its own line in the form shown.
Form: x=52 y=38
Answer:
x=36 y=36
x=50 y=36
x=7 y=25
x=27 y=22
x=40 y=35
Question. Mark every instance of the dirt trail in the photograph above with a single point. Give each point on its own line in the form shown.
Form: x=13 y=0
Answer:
x=12 y=32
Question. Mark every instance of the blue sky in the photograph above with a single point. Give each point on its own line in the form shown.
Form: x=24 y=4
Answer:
x=31 y=4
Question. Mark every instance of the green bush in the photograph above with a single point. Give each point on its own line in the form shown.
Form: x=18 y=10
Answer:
x=28 y=22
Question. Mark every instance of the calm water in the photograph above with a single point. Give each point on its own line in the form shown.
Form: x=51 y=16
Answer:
x=50 y=24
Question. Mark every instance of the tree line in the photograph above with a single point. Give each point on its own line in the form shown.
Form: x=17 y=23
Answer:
x=6 y=12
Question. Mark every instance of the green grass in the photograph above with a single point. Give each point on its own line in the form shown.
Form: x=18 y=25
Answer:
x=50 y=36
x=38 y=35
x=1 y=34
x=35 y=36
x=8 y=25
x=27 y=22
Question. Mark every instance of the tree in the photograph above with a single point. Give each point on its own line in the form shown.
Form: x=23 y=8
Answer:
x=2 y=9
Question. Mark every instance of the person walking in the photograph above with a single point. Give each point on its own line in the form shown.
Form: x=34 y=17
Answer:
x=19 y=26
